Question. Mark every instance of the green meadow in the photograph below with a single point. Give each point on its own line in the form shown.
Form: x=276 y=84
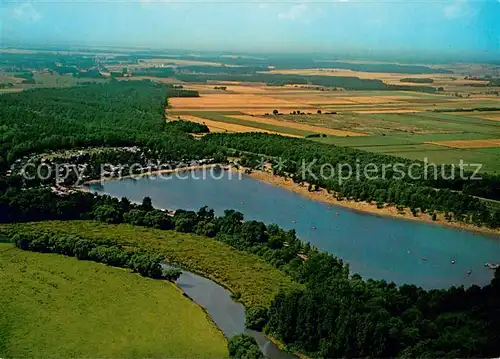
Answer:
x=257 y=281
x=59 y=307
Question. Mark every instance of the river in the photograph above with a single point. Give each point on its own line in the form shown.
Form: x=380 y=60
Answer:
x=403 y=251
x=229 y=316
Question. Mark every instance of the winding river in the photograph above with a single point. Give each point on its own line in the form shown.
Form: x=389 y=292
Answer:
x=398 y=250
x=229 y=316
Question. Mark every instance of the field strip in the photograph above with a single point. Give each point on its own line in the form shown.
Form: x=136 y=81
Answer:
x=299 y=126
x=468 y=143
x=217 y=101
x=218 y=126
x=492 y=116
x=388 y=111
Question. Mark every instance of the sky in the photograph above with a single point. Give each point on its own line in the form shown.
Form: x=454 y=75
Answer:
x=433 y=26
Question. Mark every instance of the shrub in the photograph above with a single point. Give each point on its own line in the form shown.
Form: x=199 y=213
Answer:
x=256 y=318
x=243 y=346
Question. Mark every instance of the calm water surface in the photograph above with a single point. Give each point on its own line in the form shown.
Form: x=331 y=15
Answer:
x=376 y=247
x=229 y=316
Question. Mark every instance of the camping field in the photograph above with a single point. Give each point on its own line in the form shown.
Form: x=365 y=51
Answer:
x=59 y=307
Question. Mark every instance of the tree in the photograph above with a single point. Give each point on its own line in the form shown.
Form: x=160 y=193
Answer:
x=158 y=219
x=147 y=204
x=243 y=346
x=319 y=112
x=256 y=318
x=146 y=264
x=185 y=221
x=125 y=204
x=275 y=112
x=171 y=274
x=135 y=217
x=108 y=214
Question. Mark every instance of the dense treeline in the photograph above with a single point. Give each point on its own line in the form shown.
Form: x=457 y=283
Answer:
x=145 y=263
x=337 y=316
x=348 y=83
x=388 y=68
x=303 y=162
x=120 y=113
x=417 y=80
x=474 y=109
x=187 y=126
x=273 y=244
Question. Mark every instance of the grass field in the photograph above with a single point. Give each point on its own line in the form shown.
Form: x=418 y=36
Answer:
x=258 y=126
x=469 y=143
x=61 y=80
x=257 y=281
x=59 y=307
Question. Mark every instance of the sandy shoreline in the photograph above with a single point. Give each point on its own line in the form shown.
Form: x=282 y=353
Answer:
x=323 y=196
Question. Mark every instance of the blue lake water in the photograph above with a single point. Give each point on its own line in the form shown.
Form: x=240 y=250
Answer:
x=376 y=247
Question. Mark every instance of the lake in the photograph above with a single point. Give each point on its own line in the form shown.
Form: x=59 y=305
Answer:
x=376 y=247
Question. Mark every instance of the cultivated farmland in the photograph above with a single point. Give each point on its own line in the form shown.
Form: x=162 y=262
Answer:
x=401 y=123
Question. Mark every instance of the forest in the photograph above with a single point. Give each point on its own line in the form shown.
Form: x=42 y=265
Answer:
x=129 y=113
x=337 y=313
x=114 y=114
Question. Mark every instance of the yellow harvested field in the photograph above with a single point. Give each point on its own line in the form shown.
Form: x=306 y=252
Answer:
x=233 y=101
x=216 y=126
x=468 y=143
x=298 y=126
x=309 y=98
x=377 y=100
x=321 y=98
x=245 y=89
x=243 y=109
